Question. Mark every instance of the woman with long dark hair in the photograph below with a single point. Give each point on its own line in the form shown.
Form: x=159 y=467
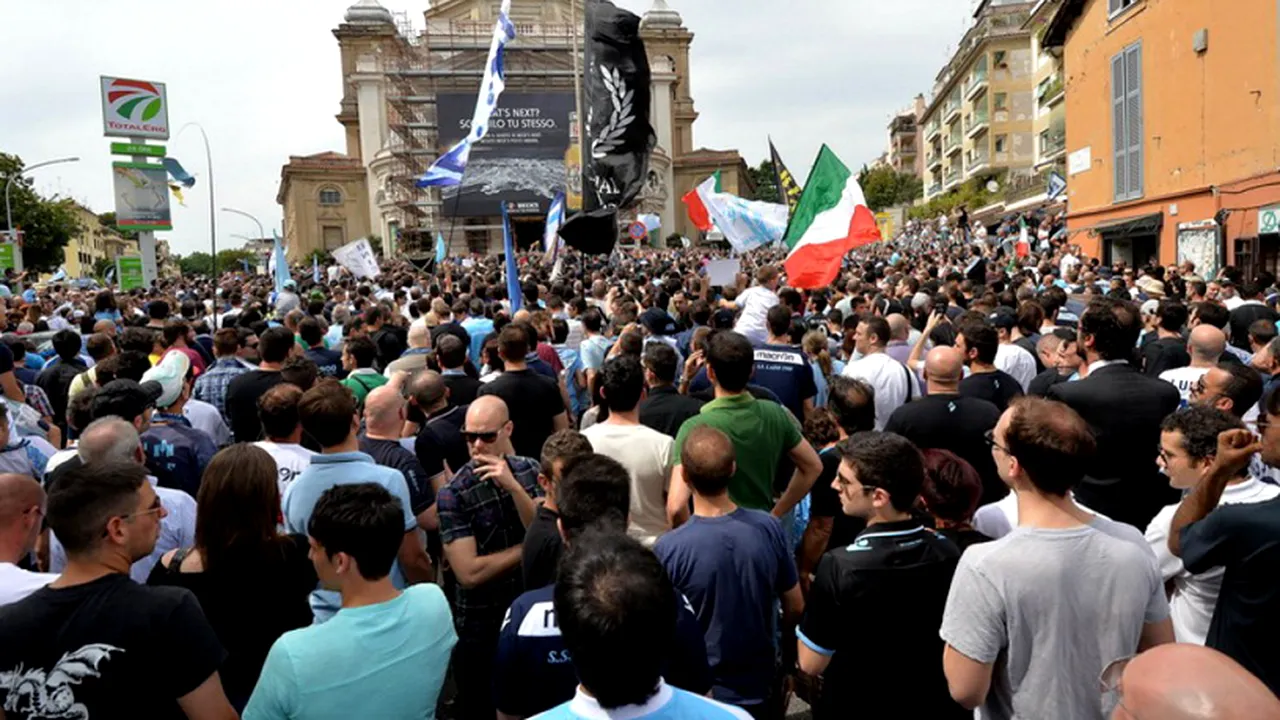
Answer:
x=252 y=581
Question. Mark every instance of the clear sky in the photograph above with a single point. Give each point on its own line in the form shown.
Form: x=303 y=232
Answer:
x=263 y=78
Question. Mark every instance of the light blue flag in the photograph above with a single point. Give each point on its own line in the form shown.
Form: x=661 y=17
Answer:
x=555 y=218
x=176 y=172
x=442 y=250
x=746 y=224
x=513 y=276
x=449 y=167
x=315 y=269
x=245 y=263
x=60 y=275
x=282 y=265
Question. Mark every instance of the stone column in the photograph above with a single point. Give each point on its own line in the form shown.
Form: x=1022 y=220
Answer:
x=370 y=92
x=663 y=76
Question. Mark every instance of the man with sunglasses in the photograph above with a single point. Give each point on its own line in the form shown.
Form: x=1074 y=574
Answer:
x=484 y=510
x=94 y=640
x=1033 y=617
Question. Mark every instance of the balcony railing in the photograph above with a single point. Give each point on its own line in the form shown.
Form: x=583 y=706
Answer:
x=976 y=122
x=932 y=129
x=976 y=83
x=934 y=159
x=1051 y=93
x=977 y=161
x=935 y=189
x=953 y=175
x=952 y=144
x=1052 y=142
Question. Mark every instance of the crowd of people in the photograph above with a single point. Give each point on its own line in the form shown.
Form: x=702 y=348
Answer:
x=995 y=476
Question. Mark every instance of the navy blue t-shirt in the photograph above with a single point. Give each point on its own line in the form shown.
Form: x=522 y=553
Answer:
x=732 y=568
x=329 y=362
x=177 y=453
x=786 y=371
x=533 y=672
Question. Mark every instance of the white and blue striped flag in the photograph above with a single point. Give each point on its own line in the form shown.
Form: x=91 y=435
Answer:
x=449 y=167
x=555 y=218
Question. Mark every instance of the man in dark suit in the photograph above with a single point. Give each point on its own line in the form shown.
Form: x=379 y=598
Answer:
x=1249 y=312
x=1124 y=408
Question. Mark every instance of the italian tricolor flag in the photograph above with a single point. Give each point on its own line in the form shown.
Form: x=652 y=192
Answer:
x=831 y=219
x=697 y=206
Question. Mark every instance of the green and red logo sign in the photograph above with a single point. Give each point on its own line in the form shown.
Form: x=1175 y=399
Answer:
x=134 y=108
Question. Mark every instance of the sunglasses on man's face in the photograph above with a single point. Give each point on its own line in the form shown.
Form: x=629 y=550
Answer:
x=487 y=437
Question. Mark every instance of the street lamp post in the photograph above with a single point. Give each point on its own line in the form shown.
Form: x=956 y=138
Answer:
x=8 y=211
x=213 y=234
x=233 y=211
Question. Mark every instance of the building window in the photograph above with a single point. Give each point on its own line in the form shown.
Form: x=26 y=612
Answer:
x=1000 y=101
x=1001 y=140
x=998 y=58
x=330 y=196
x=332 y=237
x=1126 y=113
x=1116 y=7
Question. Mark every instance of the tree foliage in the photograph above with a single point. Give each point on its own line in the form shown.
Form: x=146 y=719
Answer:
x=885 y=187
x=765 y=182
x=48 y=224
x=972 y=194
x=197 y=263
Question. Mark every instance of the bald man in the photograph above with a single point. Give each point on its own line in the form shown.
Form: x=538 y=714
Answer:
x=384 y=415
x=899 y=347
x=1190 y=682
x=415 y=358
x=946 y=420
x=22 y=507
x=484 y=510
x=731 y=564
x=1205 y=346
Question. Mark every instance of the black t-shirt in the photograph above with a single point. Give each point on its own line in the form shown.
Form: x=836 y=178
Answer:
x=533 y=402
x=897 y=574
x=390 y=453
x=329 y=362
x=250 y=605
x=540 y=555
x=6 y=359
x=450 y=328
x=1040 y=385
x=1164 y=354
x=1244 y=540
x=963 y=538
x=440 y=440
x=997 y=388
x=391 y=343
x=956 y=423
x=462 y=389
x=824 y=501
x=242 y=402
x=114 y=647
x=665 y=410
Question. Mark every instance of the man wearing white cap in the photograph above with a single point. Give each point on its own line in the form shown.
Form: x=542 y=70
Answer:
x=176 y=452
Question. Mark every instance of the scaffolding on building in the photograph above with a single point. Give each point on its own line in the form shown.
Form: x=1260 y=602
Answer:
x=449 y=56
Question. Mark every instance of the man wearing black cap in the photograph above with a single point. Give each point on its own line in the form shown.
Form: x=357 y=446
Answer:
x=1011 y=358
x=658 y=327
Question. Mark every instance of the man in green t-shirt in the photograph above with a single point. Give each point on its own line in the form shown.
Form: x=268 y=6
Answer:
x=761 y=431
x=358 y=354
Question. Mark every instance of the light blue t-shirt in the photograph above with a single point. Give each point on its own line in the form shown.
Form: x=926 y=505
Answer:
x=378 y=661
x=325 y=472
x=668 y=703
x=478 y=328
x=593 y=351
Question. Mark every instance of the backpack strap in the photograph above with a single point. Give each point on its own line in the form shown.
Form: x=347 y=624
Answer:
x=179 y=555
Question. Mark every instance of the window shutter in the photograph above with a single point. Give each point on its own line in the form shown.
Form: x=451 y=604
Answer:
x=1120 y=137
x=1133 y=117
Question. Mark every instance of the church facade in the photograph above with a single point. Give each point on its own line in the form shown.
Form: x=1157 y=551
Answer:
x=396 y=80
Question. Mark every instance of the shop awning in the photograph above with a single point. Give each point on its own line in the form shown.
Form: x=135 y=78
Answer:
x=1127 y=227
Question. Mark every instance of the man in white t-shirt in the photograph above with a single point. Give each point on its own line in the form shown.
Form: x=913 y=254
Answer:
x=1012 y=359
x=643 y=451
x=1205 y=346
x=22 y=508
x=1188 y=446
x=206 y=418
x=278 y=412
x=893 y=383
x=754 y=302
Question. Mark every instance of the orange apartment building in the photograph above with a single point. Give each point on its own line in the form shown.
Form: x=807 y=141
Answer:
x=1173 y=130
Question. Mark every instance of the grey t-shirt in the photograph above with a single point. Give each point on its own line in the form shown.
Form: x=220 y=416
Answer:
x=1050 y=609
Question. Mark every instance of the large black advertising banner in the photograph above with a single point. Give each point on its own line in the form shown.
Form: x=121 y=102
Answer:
x=520 y=161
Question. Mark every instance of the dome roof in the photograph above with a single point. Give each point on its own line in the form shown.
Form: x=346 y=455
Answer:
x=661 y=16
x=368 y=12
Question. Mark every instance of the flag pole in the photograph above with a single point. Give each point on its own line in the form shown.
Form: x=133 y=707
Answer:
x=577 y=88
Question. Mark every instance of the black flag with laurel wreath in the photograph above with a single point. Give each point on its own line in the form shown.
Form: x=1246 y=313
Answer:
x=618 y=135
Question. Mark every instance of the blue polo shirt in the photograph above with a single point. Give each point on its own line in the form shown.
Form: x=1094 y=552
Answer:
x=786 y=371
x=330 y=470
x=177 y=453
x=329 y=362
